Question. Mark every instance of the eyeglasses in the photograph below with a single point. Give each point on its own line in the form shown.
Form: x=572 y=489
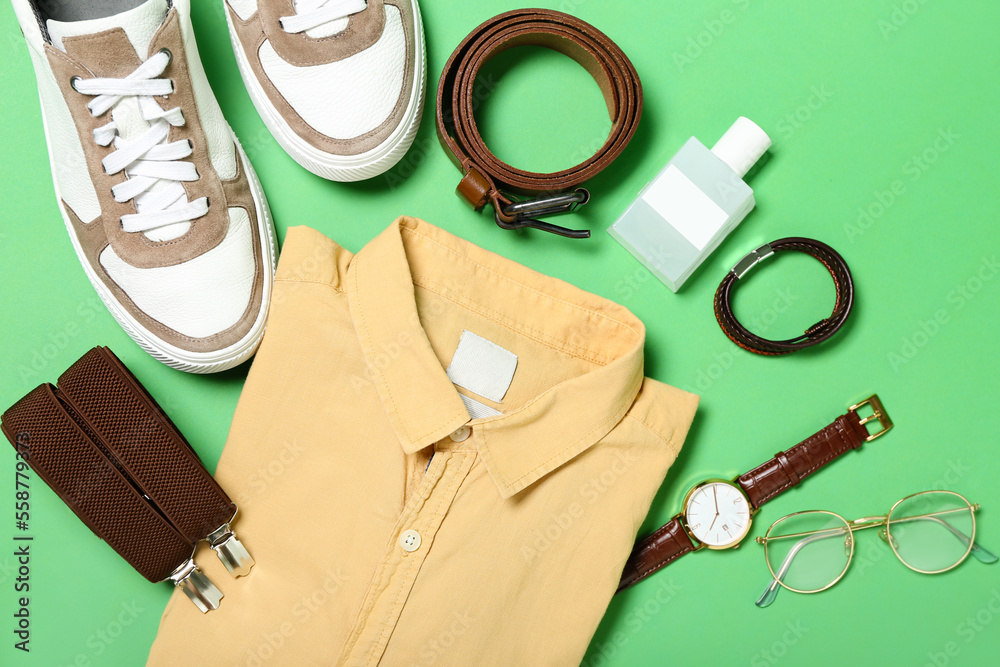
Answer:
x=930 y=533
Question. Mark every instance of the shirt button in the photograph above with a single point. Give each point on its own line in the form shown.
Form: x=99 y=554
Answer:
x=461 y=434
x=410 y=540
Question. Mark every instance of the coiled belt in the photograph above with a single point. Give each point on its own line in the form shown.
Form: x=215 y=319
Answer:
x=489 y=180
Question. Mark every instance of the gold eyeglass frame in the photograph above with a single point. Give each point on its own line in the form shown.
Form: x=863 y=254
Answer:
x=870 y=522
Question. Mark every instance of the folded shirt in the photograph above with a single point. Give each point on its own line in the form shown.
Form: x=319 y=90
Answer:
x=440 y=457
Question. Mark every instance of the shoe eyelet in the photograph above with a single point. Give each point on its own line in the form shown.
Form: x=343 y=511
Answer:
x=72 y=82
x=170 y=56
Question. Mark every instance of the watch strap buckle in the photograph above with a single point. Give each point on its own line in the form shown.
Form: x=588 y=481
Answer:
x=878 y=414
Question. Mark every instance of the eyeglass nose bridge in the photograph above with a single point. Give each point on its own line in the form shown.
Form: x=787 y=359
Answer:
x=869 y=522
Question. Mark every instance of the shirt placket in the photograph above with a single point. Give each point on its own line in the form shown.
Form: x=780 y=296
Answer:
x=407 y=550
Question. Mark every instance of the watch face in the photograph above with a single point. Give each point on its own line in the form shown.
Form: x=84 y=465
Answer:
x=717 y=514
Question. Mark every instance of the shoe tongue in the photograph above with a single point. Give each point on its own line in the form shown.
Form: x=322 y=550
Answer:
x=120 y=43
x=140 y=25
x=328 y=29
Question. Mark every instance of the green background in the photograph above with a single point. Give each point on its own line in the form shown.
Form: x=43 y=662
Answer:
x=861 y=97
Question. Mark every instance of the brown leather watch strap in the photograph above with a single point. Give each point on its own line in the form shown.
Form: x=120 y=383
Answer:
x=488 y=180
x=790 y=467
x=658 y=550
x=785 y=470
x=65 y=457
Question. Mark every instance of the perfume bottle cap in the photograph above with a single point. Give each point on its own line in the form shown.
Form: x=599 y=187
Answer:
x=742 y=145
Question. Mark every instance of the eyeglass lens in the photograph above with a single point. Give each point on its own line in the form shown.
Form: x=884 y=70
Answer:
x=932 y=532
x=809 y=551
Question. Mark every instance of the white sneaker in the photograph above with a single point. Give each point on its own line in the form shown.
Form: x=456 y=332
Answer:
x=162 y=205
x=339 y=83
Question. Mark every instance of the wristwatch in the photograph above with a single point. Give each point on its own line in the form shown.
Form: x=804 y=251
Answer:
x=717 y=513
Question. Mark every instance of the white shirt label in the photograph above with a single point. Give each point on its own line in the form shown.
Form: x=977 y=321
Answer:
x=482 y=367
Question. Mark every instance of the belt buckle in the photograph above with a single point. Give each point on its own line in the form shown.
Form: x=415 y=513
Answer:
x=524 y=213
x=878 y=412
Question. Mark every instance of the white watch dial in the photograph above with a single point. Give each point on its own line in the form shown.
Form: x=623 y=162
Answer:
x=717 y=514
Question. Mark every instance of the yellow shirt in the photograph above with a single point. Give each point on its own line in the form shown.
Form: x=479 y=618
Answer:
x=388 y=525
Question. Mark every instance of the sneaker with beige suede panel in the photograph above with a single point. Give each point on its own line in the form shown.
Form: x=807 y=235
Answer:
x=339 y=83
x=161 y=204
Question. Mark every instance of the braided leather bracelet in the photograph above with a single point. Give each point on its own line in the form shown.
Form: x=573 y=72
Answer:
x=815 y=334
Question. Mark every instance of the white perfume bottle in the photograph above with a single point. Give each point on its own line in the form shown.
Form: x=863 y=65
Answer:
x=693 y=204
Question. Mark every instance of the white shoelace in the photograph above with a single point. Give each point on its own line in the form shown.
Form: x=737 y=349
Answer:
x=147 y=160
x=311 y=14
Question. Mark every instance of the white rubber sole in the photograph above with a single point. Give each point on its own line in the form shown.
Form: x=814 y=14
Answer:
x=185 y=360
x=344 y=168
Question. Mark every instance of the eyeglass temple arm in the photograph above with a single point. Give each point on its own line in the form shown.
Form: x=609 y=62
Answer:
x=981 y=553
x=771 y=592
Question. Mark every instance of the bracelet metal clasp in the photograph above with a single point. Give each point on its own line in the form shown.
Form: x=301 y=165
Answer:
x=752 y=259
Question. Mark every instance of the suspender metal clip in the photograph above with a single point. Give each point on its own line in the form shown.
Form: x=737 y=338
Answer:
x=199 y=588
x=230 y=550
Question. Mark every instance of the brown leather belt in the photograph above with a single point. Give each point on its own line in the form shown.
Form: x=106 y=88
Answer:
x=110 y=453
x=815 y=334
x=488 y=180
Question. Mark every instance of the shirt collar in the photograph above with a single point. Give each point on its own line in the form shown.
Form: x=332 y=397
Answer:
x=521 y=446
